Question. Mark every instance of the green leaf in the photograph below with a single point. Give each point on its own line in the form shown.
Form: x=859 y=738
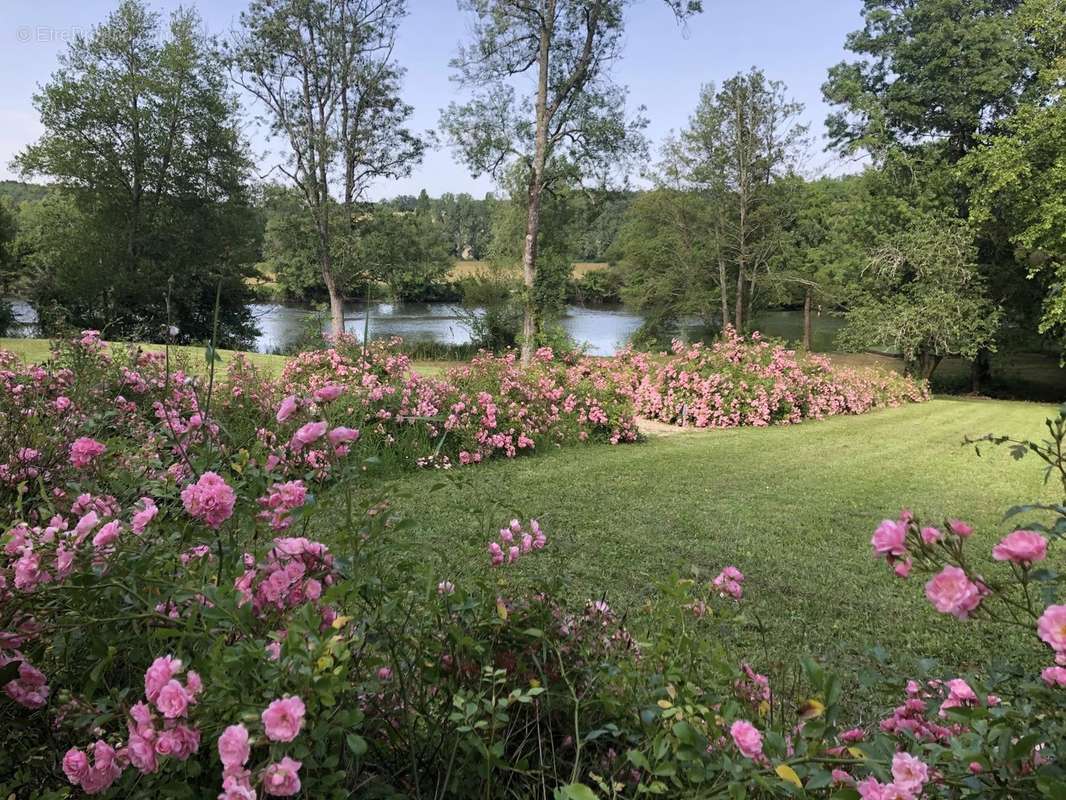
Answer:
x=575 y=791
x=356 y=743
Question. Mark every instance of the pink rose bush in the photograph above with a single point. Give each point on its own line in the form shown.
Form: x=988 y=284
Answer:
x=219 y=604
x=750 y=381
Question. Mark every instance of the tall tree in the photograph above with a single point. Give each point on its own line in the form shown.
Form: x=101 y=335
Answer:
x=933 y=78
x=741 y=140
x=573 y=124
x=926 y=298
x=141 y=134
x=324 y=72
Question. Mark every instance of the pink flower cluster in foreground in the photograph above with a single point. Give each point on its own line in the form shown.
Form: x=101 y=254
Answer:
x=729 y=582
x=158 y=729
x=955 y=589
x=282 y=721
x=209 y=500
x=515 y=541
x=294 y=572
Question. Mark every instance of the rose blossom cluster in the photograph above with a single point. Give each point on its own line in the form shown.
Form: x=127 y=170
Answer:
x=84 y=451
x=280 y=501
x=209 y=500
x=515 y=541
x=29 y=688
x=728 y=583
x=158 y=729
x=294 y=572
x=282 y=721
x=955 y=590
x=909 y=776
x=749 y=381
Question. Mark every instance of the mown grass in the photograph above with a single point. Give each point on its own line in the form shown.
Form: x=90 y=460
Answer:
x=38 y=351
x=792 y=507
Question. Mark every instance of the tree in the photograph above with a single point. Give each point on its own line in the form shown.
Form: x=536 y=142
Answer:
x=324 y=72
x=823 y=246
x=741 y=140
x=1017 y=178
x=142 y=140
x=935 y=73
x=934 y=78
x=669 y=255
x=926 y=299
x=574 y=123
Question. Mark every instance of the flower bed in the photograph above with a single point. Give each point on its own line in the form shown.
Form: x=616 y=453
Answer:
x=174 y=624
x=739 y=381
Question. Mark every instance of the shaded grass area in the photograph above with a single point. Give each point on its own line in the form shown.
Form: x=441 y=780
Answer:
x=792 y=507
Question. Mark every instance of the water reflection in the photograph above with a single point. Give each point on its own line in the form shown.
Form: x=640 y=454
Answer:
x=601 y=330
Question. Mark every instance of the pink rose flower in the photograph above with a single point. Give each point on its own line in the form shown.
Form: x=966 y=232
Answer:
x=172 y=700
x=75 y=765
x=307 y=434
x=282 y=779
x=107 y=534
x=890 y=538
x=142 y=518
x=287 y=408
x=747 y=739
x=931 y=535
x=960 y=528
x=341 y=435
x=909 y=773
x=1054 y=676
x=1021 y=547
x=84 y=451
x=159 y=674
x=283 y=719
x=1051 y=627
x=233 y=747
x=209 y=500
x=328 y=393
x=952 y=592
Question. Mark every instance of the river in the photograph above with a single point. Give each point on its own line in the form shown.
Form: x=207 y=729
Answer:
x=601 y=330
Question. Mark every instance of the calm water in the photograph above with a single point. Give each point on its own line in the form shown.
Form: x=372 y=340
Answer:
x=602 y=330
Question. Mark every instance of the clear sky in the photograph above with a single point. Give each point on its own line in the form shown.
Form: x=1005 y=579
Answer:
x=794 y=41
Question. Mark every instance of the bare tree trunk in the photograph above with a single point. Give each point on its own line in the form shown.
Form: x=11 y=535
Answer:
x=807 y=321
x=723 y=288
x=738 y=321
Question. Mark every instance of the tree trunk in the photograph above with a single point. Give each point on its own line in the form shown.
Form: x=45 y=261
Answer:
x=980 y=371
x=807 y=321
x=536 y=186
x=924 y=366
x=336 y=300
x=738 y=320
x=723 y=288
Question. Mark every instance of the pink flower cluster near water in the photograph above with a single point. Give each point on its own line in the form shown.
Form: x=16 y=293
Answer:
x=742 y=381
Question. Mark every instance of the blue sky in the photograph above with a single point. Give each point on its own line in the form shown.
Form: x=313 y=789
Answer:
x=792 y=40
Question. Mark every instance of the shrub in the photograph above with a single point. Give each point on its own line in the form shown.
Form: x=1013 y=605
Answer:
x=738 y=381
x=179 y=619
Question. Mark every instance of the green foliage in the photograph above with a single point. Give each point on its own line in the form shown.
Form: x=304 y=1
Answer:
x=926 y=299
x=669 y=256
x=141 y=134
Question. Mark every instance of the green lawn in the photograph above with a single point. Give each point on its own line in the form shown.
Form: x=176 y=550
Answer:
x=33 y=351
x=792 y=507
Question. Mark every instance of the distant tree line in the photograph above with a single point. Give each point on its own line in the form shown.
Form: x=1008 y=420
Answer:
x=949 y=242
